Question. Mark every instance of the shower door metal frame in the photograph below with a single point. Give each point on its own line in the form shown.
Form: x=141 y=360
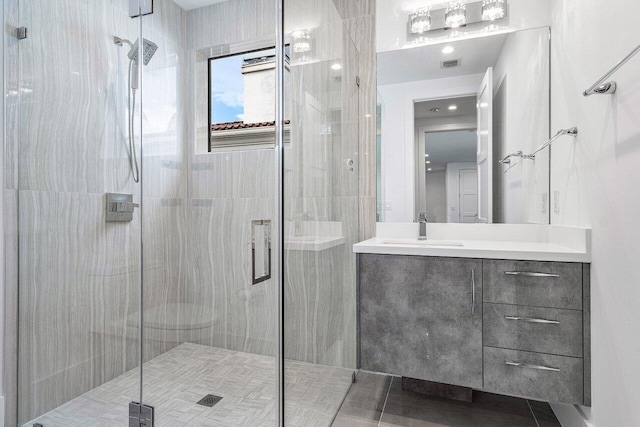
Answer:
x=278 y=229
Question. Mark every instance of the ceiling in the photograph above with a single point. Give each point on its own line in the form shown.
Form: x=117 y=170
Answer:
x=466 y=107
x=424 y=63
x=194 y=4
x=450 y=147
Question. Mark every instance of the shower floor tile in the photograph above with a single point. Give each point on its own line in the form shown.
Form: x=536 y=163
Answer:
x=175 y=381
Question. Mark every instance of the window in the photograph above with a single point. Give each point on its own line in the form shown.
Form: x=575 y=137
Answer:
x=242 y=95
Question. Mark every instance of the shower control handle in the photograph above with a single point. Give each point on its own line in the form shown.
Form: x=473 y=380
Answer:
x=124 y=207
x=120 y=207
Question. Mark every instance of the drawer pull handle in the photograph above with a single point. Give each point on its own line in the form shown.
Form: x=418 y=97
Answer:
x=533 y=320
x=537 y=367
x=530 y=274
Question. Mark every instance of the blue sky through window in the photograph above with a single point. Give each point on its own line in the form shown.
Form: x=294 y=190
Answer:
x=227 y=90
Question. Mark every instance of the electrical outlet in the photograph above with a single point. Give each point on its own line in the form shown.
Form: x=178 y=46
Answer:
x=556 y=202
x=387 y=205
x=543 y=200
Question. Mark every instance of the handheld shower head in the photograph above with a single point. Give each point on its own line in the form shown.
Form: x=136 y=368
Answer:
x=149 y=49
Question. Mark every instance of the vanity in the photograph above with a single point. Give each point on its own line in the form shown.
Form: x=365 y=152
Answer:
x=503 y=308
x=495 y=298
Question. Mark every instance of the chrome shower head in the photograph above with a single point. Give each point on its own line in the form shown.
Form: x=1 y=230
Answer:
x=149 y=49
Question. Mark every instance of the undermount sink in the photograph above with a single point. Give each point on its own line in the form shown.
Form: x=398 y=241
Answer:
x=421 y=242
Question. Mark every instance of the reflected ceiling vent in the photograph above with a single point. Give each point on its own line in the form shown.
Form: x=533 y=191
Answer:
x=450 y=63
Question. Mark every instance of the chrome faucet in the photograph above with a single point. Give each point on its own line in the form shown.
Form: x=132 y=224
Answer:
x=422 y=220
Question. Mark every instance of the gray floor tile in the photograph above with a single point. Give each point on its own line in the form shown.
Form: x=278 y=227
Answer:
x=409 y=409
x=363 y=405
x=544 y=414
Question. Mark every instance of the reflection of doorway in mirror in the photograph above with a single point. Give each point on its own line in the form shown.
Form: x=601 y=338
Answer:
x=449 y=190
x=468 y=194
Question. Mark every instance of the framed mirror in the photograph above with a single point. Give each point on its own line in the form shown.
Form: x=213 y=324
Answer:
x=448 y=113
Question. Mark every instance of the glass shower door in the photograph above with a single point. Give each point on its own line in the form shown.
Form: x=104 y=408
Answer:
x=79 y=273
x=321 y=213
x=210 y=335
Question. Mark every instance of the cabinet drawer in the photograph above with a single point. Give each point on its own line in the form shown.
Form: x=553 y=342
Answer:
x=540 y=284
x=543 y=330
x=535 y=375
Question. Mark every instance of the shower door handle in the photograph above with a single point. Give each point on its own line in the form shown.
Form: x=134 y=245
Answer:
x=260 y=251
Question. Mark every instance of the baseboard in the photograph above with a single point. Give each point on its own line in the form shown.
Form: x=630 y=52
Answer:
x=570 y=415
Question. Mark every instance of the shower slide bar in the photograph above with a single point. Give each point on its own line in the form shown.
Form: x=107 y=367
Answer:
x=602 y=86
x=520 y=155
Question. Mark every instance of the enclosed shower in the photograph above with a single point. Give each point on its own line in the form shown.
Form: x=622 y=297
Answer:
x=228 y=295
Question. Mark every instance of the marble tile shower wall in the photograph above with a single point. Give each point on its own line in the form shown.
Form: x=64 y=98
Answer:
x=359 y=20
x=322 y=186
x=226 y=191
x=79 y=276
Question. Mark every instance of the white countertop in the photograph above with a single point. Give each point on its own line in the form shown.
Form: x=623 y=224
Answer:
x=495 y=241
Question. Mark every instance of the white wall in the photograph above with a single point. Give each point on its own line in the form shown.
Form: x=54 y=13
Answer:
x=398 y=137
x=523 y=68
x=436 y=195
x=597 y=177
x=392 y=17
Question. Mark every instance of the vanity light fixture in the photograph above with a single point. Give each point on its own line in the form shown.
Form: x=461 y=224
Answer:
x=453 y=107
x=336 y=67
x=448 y=49
x=428 y=162
x=429 y=169
x=456 y=15
x=301 y=42
x=492 y=10
x=453 y=15
x=420 y=21
x=426 y=155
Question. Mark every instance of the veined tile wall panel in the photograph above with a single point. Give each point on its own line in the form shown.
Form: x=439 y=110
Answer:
x=10 y=206
x=10 y=342
x=359 y=20
x=78 y=283
x=242 y=315
x=73 y=88
x=235 y=21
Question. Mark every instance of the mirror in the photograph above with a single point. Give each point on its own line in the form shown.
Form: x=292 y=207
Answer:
x=448 y=113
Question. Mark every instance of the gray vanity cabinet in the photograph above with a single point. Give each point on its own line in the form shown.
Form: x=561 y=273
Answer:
x=421 y=317
x=520 y=328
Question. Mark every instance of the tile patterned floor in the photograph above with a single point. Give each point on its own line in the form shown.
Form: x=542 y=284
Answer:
x=177 y=379
x=378 y=400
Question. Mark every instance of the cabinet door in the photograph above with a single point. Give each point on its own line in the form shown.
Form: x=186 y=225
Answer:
x=417 y=318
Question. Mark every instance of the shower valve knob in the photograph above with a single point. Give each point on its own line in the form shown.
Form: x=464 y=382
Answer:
x=120 y=207
x=125 y=207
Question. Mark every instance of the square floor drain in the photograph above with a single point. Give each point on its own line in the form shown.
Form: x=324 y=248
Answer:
x=209 y=400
